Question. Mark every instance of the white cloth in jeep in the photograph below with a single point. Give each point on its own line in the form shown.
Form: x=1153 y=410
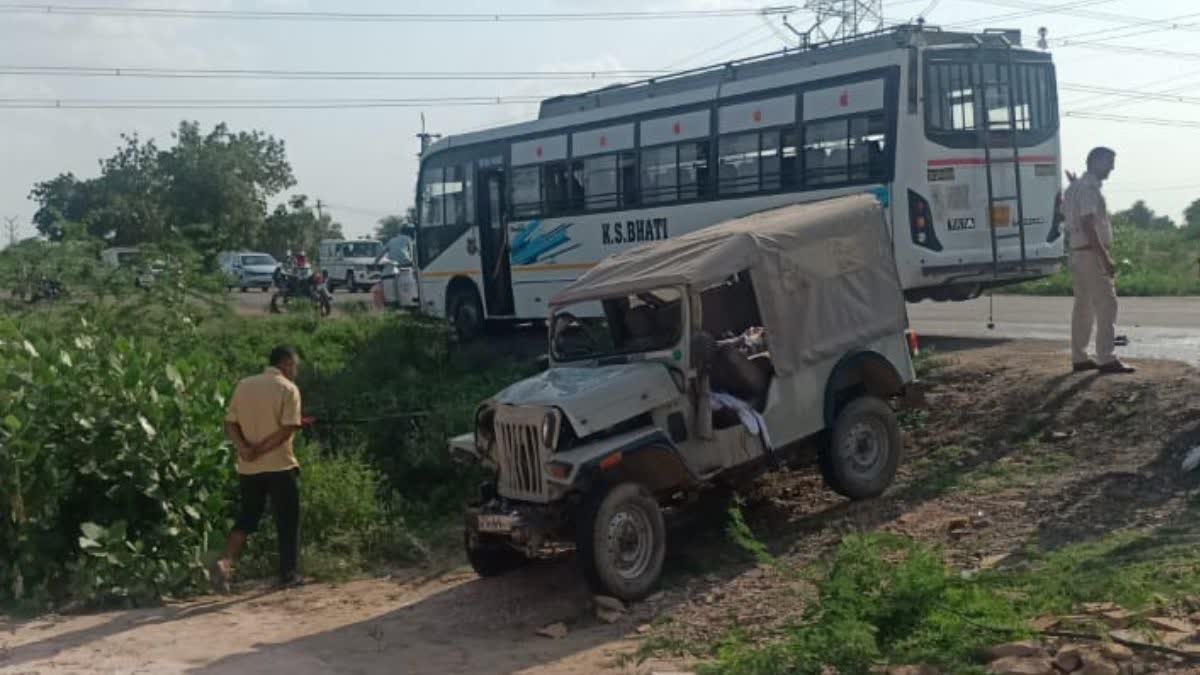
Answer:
x=751 y=418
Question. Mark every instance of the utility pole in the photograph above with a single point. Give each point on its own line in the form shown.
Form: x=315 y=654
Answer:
x=426 y=137
x=13 y=229
x=320 y=205
x=839 y=20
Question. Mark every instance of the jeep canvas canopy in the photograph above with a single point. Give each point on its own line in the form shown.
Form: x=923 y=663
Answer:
x=823 y=274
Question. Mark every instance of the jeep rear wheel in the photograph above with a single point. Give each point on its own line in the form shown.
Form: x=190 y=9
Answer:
x=621 y=541
x=861 y=457
x=489 y=557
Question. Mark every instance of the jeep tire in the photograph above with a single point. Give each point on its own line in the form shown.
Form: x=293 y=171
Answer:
x=859 y=461
x=621 y=541
x=490 y=557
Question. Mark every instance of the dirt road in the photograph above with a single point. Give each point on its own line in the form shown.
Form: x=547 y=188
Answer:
x=1031 y=454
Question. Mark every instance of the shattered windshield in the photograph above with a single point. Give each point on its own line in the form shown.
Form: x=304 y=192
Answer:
x=637 y=323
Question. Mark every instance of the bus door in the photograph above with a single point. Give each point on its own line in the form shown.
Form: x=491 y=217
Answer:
x=493 y=246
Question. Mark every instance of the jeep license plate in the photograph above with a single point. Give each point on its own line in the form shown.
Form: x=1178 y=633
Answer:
x=493 y=523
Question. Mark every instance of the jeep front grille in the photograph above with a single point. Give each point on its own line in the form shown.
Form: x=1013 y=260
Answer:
x=520 y=453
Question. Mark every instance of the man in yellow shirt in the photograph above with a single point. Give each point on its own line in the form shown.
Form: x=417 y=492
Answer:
x=263 y=418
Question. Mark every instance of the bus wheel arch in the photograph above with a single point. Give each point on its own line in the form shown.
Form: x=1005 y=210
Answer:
x=464 y=308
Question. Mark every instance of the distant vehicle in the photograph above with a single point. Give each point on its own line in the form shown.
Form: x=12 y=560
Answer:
x=130 y=257
x=957 y=132
x=355 y=265
x=247 y=269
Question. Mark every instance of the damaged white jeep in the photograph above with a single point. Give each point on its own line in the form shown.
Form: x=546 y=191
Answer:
x=681 y=364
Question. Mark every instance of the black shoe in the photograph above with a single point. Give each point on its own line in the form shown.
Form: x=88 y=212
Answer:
x=1116 y=368
x=1084 y=366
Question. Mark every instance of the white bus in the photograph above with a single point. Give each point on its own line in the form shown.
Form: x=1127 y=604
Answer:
x=957 y=134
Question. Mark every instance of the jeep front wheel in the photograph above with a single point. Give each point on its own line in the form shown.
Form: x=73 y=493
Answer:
x=860 y=459
x=621 y=541
x=491 y=558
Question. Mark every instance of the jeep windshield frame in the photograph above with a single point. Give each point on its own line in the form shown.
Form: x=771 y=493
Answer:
x=638 y=323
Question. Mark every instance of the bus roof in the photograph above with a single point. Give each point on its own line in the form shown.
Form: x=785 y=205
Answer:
x=701 y=81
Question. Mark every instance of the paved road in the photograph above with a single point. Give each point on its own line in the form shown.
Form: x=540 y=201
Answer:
x=1164 y=328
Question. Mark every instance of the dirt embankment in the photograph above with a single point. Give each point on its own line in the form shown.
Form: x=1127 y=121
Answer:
x=1010 y=451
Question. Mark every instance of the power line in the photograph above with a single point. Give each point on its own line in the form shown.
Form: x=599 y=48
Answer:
x=757 y=28
x=1107 y=105
x=1040 y=9
x=381 y=17
x=271 y=74
x=1123 y=93
x=259 y=104
x=1066 y=9
x=1151 y=121
x=1127 y=49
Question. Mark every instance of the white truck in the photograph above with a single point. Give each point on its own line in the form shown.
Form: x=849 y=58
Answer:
x=353 y=264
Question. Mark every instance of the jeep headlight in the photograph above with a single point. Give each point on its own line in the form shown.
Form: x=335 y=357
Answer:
x=485 y=432
x=549 y=429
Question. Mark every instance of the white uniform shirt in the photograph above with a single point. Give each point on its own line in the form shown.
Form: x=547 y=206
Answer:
x=1083 y=198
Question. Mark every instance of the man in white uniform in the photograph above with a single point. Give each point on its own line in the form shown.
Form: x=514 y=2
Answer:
x=1089 y=235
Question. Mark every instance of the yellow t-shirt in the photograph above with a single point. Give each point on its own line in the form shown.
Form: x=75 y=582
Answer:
x=261 y=405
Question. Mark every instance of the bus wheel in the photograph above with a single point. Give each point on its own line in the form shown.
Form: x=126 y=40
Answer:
x=465 y=312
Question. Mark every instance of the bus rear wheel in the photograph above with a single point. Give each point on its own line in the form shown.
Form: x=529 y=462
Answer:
x=465 y=312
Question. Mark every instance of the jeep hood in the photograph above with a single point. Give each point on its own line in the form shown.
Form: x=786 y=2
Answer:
x=594 y=399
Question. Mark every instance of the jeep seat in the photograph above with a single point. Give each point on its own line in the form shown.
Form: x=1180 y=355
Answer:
x=746 y=378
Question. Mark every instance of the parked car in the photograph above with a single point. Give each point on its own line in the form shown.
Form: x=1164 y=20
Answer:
x=722 y=353
x=131 y=257
x=355 y=265
x=247 y=269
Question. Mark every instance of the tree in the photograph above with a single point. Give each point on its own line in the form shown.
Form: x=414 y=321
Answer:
x=219 y=183
x=295 y=226
x=1191 y=217
x=393 y=225
x=209 y=191
x=1144 y=217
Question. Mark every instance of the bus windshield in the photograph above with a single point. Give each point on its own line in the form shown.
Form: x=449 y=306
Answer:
x=638 y=323
x=963 y=96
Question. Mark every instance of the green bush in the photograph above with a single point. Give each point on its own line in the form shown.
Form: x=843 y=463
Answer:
x=881 y=599
x=1149 y=263
x=116 y=481
x=111 y=467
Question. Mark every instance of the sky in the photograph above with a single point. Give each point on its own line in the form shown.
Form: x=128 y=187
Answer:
x=362 y=163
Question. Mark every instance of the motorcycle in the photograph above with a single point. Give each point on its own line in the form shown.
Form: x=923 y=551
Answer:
x=299 y=282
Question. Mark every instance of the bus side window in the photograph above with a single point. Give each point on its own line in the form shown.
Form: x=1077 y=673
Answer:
x=693 y=170
x=555 y=188
x=526 y=191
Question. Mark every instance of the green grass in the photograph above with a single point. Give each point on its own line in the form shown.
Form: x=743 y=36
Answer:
x=1149 y=263
x=887 y=600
